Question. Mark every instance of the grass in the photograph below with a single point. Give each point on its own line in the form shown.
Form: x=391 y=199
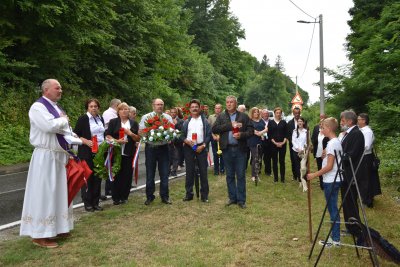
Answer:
x=205 y=234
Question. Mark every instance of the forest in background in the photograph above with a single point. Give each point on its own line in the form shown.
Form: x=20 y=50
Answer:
x=137 y=50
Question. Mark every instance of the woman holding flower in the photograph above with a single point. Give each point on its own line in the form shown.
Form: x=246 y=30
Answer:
x=124 y=131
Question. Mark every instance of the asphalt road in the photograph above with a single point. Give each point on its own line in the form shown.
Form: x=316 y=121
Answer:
x=12 y=190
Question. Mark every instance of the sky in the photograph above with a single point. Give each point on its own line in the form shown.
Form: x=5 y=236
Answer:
x=271 y=29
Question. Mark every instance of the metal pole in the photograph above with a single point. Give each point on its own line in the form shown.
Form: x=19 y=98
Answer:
x=321 y=68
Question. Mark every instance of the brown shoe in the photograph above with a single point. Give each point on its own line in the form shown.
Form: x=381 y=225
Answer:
x=44 y=243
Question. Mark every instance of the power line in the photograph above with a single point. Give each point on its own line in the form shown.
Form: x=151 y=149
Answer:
x=301 y=9
x=309 y=49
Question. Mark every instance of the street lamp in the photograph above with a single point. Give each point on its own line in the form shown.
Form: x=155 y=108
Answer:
x=321 y=64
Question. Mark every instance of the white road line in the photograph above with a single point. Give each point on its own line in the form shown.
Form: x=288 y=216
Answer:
x=16 y=223
x=11 y=191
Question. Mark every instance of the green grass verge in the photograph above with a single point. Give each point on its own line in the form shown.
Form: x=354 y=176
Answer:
x=206 y=234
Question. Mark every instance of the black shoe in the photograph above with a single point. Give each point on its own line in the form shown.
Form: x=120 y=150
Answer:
x=108 y=193
x=242 y=205
x=205 y=200
x=98 y=208
x=166 y=201
x=173 y=174
x=187 y=198
x=117 y=202
x=230 y=202
x=89 y=208
x=103 y=198
x=148 y=201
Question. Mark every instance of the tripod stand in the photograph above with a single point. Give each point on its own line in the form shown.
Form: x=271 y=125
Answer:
x=353 y=221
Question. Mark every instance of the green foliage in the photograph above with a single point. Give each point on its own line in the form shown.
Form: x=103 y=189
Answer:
x=388 y=151
x=98 y=161
x=14 y=145
x=385 y=118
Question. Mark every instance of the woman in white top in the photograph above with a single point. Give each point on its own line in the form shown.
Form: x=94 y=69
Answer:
x=299 y=141
x=331 y=180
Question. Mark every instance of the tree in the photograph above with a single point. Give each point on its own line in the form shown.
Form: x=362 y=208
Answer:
x=279 y=64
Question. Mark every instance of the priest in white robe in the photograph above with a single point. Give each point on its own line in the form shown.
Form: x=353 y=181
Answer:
x=45 y=213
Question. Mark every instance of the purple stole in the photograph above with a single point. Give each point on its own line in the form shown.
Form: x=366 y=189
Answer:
x=63 y=143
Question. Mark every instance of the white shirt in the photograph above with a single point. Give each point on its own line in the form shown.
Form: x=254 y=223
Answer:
x=108 y=115
x=299 y=142
x=347 y=132
x=196 y=126
x=333 y=145
x=369 y=139
x=320 y=145
x=126 y=125
x=96 y=128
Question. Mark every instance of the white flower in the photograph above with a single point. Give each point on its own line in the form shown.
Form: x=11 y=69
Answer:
x=165 y=132
x=161 y=128
x=144 y=138
x=151 y=132
x=151 y=138
x=166 y=137
x=177 y=131
x=171 y=129
x=174 y=134
x=158 y=134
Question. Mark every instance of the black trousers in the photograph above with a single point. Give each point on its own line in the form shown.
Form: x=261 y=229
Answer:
x=297 y=161
x=281 y=153
x=350 y=207
x=91 y=193
x=293 y=155
x=267 y=156
x=319 y=166
x=192 y=158
x=121 y=186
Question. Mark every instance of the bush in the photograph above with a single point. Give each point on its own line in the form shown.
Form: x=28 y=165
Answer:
x=388 y=151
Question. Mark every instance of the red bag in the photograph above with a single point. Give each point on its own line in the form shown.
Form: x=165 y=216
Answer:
x=78 y=172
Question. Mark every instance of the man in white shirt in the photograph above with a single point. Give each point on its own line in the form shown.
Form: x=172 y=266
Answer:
x=266 y=144
x=45 y=213
x=372 y=176
x=111 y=112
x=156 y=154
x=196 y=135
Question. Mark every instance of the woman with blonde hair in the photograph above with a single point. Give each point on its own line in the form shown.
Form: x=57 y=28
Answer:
x=254 y=142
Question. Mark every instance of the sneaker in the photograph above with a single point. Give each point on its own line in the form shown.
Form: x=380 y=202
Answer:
x=330 y=243
x=253 y=179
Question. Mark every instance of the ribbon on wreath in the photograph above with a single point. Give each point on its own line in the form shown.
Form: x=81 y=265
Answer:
x=135 y=163
x=108 y=162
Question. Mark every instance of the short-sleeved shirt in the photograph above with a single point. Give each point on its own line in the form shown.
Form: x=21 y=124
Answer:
x=333 y=145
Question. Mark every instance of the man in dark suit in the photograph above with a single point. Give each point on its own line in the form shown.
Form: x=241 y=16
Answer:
x=353 y=149
x=291 y=126
x=234 y=127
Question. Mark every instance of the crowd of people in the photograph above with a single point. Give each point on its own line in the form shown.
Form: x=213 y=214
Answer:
x=235 y=137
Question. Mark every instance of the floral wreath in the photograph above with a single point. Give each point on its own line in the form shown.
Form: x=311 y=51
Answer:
x=107 y=162
x=159 y=130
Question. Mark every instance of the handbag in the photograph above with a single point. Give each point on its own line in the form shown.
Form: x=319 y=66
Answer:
x=376 y=162
x=78 y=172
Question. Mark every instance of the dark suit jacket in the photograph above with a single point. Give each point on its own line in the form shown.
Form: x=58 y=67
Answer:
x=290 y=128
x=353 y=145
x=206 y=130
x=314 y=140
x=82 y=129
x=113 y=130
x=223 y=126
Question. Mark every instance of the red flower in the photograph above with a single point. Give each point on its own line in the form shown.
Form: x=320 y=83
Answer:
x=164 y=120
x=150 y=121
x=154 y=127
x=156 y=118
x=185 y=118
x=187 y=105
x=172 y=125
x=145 y=130
x=158 y=123
x=166 y=126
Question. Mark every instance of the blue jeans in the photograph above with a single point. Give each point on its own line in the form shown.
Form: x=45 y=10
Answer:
x=154 y=155
x=332 y=207
x=218 y=160
x=235 y=164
